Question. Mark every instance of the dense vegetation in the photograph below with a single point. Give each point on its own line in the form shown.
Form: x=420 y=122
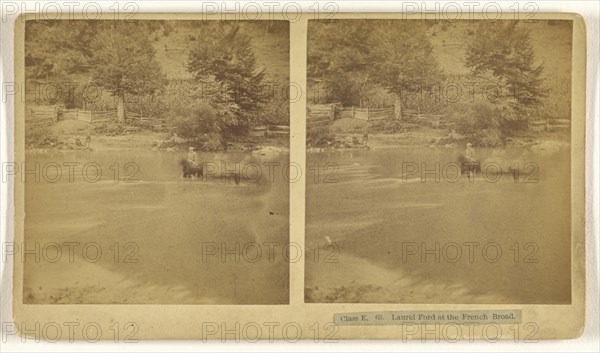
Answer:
x=485 y=78
x=366 y=63
x=133 y=66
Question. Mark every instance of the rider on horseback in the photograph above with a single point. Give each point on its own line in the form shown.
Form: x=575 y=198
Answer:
x=192 y=157
x=470 y=153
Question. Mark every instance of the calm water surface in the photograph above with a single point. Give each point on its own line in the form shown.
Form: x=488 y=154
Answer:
x=399 y=239
x=161 y=225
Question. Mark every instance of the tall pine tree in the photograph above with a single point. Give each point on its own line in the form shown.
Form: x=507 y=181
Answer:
x=225 y=55
x=502 y=53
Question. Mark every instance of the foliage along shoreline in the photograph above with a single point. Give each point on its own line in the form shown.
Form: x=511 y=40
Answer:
x=45 y=140
x=209 y=81
x=488 y=80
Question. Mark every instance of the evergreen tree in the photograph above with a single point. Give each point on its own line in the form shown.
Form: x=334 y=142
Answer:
x=503 y=55
x=123 y=62
x=225 y=55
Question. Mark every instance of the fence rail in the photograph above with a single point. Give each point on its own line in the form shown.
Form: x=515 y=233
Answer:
x=48 y=115
x=42 y=115
x=269 y=130
x=324 y=114
x=550 y=124
x=88 y=116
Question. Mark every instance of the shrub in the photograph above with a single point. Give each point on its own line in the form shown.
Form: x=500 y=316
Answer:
x=484 y=123
x=40 y=137
x=319 y=137
x=489 y=121
x=491 y=138
x=109 y=129
x=197 y=109
x=200 y=119
x=387 y=126
x=213 y=142
x=276 y=112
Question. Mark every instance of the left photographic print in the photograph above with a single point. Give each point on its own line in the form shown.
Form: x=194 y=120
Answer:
x=156 y=156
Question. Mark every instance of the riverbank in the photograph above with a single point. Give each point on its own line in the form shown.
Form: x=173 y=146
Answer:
x=430 y=138
x=72 y=135
x=347 y=133
x=436 y=138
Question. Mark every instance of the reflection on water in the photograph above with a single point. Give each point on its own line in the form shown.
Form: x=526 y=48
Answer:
x=164 y=239
x=403 y=236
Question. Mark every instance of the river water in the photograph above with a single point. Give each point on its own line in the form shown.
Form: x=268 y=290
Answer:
x=387 y=231
x=161 y=238
x=379 y=228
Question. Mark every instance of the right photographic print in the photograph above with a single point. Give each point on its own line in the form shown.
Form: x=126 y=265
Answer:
x=438 y=161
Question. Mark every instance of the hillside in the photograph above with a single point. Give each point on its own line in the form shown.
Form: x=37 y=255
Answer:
x=551 y=41
x=271 y=48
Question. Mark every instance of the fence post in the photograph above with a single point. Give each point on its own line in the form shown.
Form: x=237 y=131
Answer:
x=367 y=114
x=353 y=112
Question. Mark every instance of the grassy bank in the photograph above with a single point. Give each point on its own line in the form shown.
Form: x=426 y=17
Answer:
x=341 y=132
x=71 y=135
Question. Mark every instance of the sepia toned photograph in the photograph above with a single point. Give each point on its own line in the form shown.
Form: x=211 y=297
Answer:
x=154 y=152
x=438 y=161
x=297 y=177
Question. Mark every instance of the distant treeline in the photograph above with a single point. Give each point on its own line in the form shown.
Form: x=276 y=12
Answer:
x=118 y=59
x=375 y=63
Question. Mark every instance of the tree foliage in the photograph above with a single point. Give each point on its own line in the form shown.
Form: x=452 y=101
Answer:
x=352 y=58
x=502 y=54
x=114 y=55
x=199 y=109
x=123 y=60
x=57 y=49
x=338 y=57
x=403 y=60
x=228 y=93
x=226 y=56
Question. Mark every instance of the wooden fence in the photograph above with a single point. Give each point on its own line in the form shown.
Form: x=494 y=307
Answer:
x=49 y=115
x=270 y=130
x=103 y=116
x=550 y=124
x=320 y=114
x=364 y=114
x=139 y=119
x=381 y=114
x=88 y=116
x=324 y=114
x=42 y=115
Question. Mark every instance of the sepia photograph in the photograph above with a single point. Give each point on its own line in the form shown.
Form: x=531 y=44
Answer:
x=154 y=152
x=438 y=161
x=303 y=175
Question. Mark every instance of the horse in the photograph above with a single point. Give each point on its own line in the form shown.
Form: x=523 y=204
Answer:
x=190 y=170
x=468 y=165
